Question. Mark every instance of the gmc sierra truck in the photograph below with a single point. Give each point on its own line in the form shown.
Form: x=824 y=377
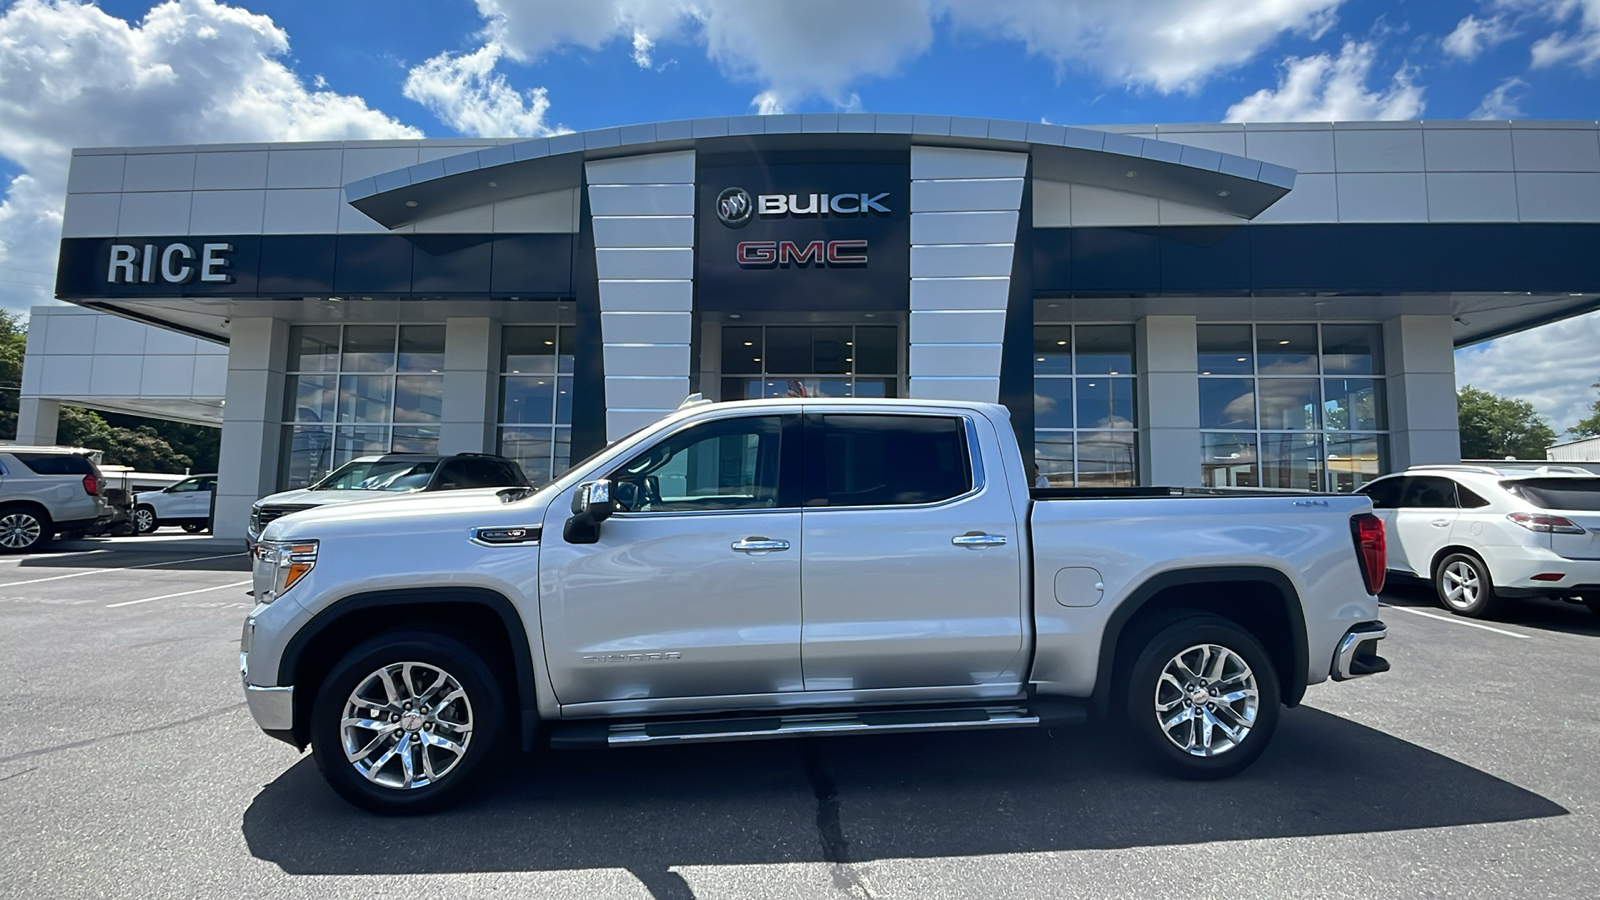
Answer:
x=798 y=567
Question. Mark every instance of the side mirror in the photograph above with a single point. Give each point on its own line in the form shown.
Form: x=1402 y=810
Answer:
x=591 y=505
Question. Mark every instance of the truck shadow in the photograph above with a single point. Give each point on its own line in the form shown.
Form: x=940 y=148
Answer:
x=853 y=800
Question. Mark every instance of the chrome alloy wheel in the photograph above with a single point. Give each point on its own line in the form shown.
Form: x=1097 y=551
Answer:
x=1462 y=584
x=19 y=530
x=1206 y=700
x=407 y=725
x=144 y=519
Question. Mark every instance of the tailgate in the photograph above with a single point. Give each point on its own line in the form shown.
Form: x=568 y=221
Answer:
x=1578 y=546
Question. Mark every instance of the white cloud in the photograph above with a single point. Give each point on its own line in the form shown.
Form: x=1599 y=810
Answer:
x=821 y=48
x=1579 y=45
x=191 y=71
x=1473 y=35
x=1324 y=88
x=1499 y=103
x=1551 y=366
x=465 y=92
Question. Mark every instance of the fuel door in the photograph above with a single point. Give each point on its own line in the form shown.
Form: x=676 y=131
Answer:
x=1079 y=586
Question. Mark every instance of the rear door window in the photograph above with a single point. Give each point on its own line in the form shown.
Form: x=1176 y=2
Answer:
x=884 y=460
x=1428 y=492
x=1579 y=494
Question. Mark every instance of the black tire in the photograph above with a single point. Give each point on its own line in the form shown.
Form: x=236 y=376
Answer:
x=484 y=705
x=1593 y=603
x=1463 y=585
x=1143 y=690
x=194 y=527
x=144 y=519
x=23 y=529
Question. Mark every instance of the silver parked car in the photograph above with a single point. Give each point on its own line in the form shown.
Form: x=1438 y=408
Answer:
x=46 y=491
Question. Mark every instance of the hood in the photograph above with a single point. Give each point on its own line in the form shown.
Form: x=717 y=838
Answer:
x=387 y=513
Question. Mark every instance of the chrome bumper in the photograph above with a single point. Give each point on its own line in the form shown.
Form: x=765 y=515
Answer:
x=271 y=707
x=1357 y=653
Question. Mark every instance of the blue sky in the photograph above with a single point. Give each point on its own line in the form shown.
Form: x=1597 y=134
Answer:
x=135 y=72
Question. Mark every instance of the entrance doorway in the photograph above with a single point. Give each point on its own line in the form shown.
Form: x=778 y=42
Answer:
x=810 y=360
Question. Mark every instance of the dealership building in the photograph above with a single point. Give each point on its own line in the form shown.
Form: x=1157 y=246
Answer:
x=1258 y=305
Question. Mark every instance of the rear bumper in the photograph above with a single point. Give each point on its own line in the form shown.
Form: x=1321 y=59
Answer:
x=1357 y=653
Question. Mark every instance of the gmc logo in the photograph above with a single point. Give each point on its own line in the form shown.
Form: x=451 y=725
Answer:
x=771 y=254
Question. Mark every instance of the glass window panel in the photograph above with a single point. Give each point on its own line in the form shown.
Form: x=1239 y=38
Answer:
x=741 y=388
x=1052 y=457
x=307 y=455
x=415 y=439
x=1286 y=349
x=726 y=464
x=563 y=451
x=1052 y=403
x=365 y=398
x=368 y=348
x=875 y=387
x=788 y=349
x=1229 y=460
x=311 y=398
x=531 y=448
x=1353 y=404
x=566 y=349
x=418 y=398
x=422 y=348
x=564 y=400
x=527 y=399
x=1107 y=458
x=1291 y=461
x=1289 y=404
x=1352 y=350
x=1354 y=460
x=351 y=441
x=1227 y=403
x=1225 y=349
x=741 y=351
x=877 y=350
x=1103 y=350
x=1105 y=403
x=832 y=352
x=879 y=460
x=528 y=349
x=1052 y=350
x=314 y=348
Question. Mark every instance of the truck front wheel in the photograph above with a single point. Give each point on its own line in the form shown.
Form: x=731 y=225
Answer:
x=401 y=723
x=1202 y=699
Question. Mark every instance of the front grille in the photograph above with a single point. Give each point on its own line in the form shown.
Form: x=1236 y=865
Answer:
x=262 y=516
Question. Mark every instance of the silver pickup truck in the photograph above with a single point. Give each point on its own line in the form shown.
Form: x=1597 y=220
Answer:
x=792 y=567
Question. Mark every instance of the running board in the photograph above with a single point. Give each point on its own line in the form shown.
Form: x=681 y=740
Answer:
x=628 y=734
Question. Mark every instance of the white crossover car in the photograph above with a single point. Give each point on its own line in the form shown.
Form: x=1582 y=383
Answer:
x=1487 y=534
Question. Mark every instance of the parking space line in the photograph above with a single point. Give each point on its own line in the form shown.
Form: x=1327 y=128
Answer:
x=171 y=562
x=178 y=594
x=1456 y=621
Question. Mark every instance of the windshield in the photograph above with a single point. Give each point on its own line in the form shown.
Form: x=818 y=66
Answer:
x=378 y=475
x=1582 y=494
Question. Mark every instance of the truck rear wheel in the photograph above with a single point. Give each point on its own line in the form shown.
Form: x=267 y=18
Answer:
x=1201 y=700
x=402 y=722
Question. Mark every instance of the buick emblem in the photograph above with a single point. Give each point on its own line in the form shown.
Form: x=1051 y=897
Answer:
x=734 y=207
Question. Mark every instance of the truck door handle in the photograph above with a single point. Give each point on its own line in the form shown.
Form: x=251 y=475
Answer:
x=757 y=544
x=977 y=540
x=1439 y=523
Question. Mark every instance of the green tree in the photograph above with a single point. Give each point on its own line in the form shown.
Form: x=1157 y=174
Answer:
x=1589 y=427
x=141 y=448
x=13 y=345
x=1494 y=427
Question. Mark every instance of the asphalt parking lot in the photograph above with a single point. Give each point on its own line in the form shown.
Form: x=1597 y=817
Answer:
x=129 y=767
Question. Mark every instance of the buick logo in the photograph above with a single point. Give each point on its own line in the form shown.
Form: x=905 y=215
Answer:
x=734 y=207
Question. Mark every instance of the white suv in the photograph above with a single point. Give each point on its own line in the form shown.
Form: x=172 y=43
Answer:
x=46 y=491
x=1486 y=534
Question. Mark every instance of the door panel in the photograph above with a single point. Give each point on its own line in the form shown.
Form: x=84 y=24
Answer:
x=693 y=587
x=890 y=601
x=1423 y=523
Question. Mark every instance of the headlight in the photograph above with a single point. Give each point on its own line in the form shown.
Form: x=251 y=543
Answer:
x=279 y=566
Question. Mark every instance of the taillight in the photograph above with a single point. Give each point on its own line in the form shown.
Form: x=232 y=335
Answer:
x=1371 y=550
x=91 y=485
x=1546 y=524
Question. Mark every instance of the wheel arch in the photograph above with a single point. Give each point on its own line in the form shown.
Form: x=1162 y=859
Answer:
x=1451 y=550
x=481 y=617
x=1225 y=591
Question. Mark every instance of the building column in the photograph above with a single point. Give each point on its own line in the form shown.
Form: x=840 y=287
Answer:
x=642 y=211
x=247 y=469
x=470 y=405
x=37 y=419
x=964 y=212
x=1169 y=400
x=1419 y=358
